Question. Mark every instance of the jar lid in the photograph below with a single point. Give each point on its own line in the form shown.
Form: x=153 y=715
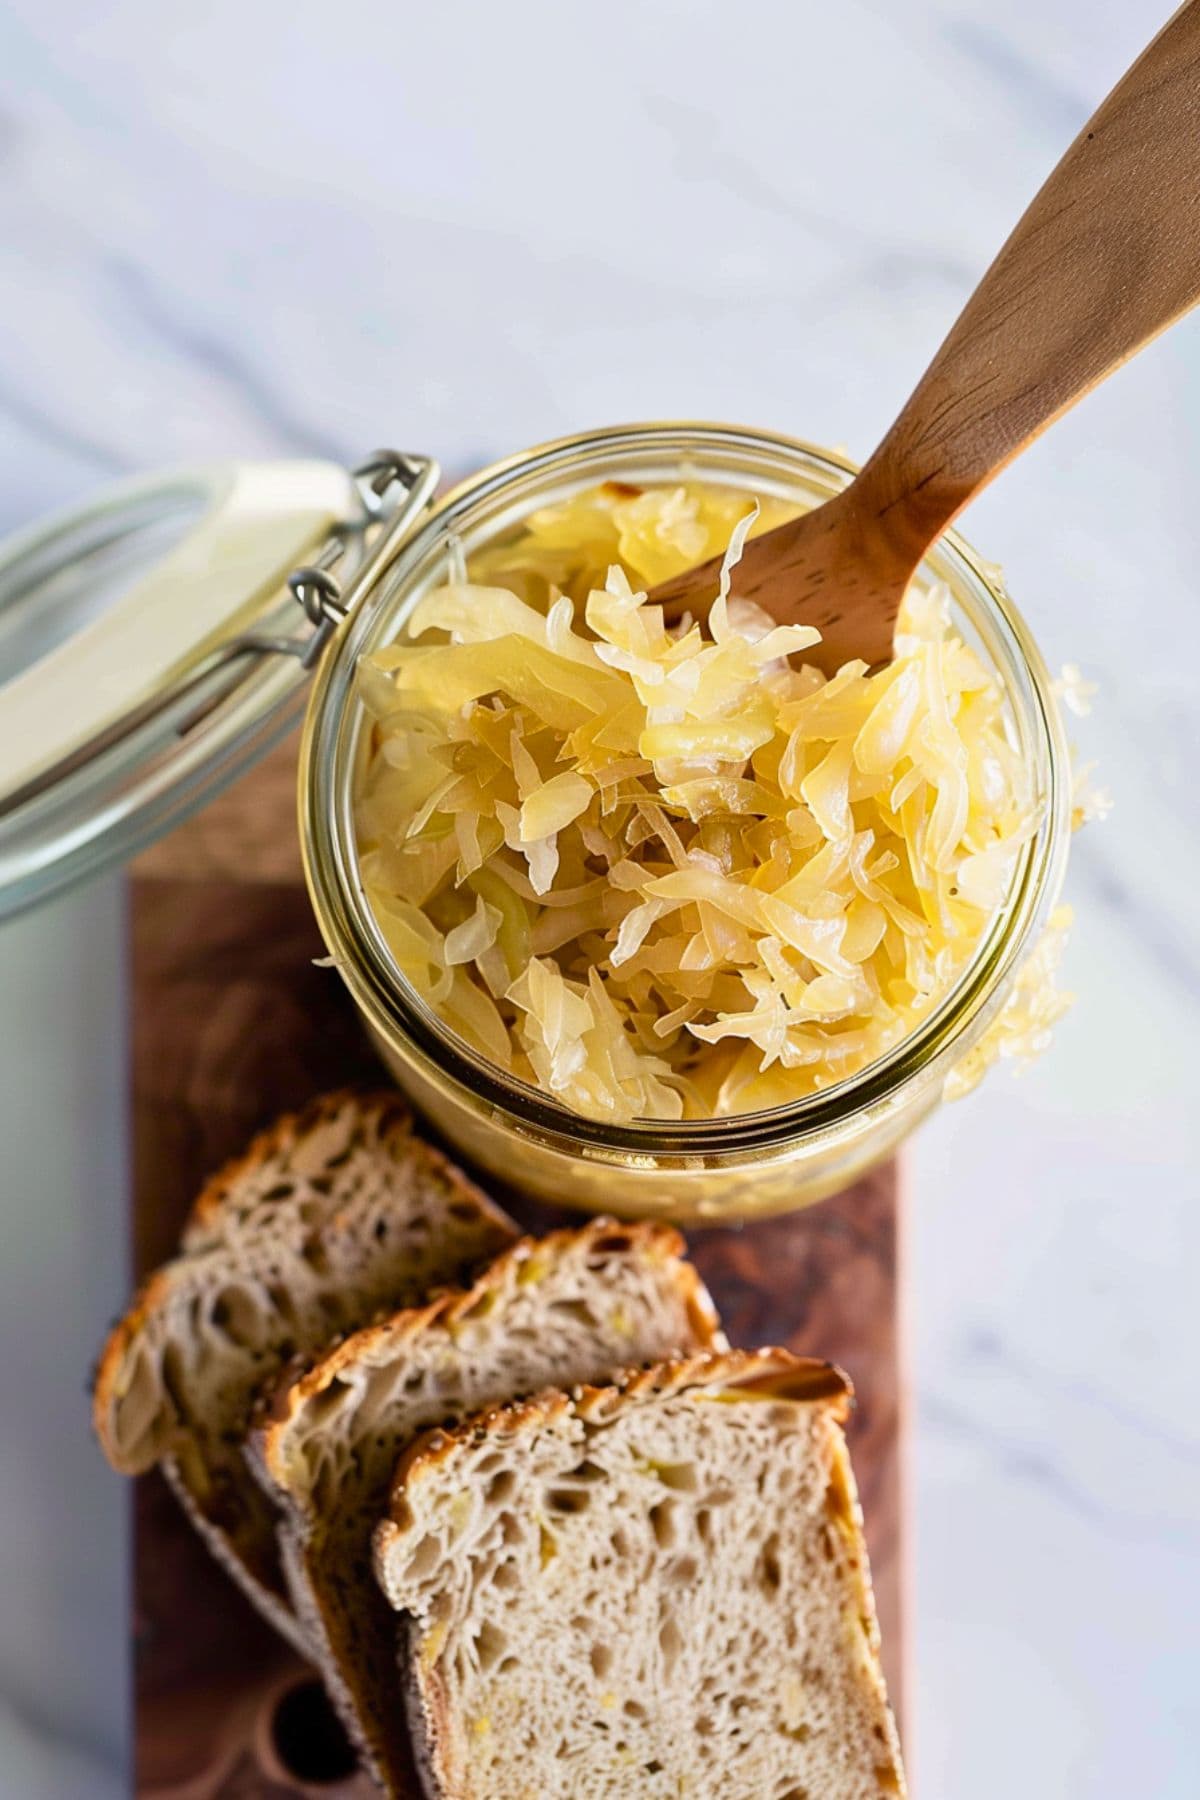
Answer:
x=151 y=648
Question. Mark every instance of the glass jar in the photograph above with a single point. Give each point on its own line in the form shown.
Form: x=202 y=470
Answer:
x=728 y=1168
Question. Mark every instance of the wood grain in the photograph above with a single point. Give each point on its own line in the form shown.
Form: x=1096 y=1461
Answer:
x=1106 y=256
x=232 y=1024
x=248 y=833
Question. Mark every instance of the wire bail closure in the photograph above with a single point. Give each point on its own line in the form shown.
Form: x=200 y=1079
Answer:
x=316 y=589
x=392 y=487
x=321 y=599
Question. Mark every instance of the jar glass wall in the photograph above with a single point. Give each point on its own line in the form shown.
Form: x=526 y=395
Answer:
x=734 y=1167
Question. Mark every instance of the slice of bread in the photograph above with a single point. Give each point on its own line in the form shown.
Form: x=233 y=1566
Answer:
x=571 y=1307
x=648 y=1590
x=331 y=1216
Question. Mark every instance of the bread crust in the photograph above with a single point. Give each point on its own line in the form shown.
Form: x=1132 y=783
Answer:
x=386 y=1107
x=204 y=1218
x=268 y=1441
x=152 y=1295
x=817 y=1383
x=757 y=1375
x=267 y=1448
x=270 y=1604
x=380 y=1119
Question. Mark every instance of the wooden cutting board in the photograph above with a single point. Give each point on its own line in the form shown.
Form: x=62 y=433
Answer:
x=232 y=1023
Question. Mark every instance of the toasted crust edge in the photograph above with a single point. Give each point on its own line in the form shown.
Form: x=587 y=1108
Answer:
x=149 y=1297
x=818 y=1382
x=152 y=1294
x=285 y=1132
x=394 y=1125
x=265 y=1449
x=310 y=1621
x=267 y=1442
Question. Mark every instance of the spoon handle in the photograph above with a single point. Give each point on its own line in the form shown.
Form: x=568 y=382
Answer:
x=1107 y=254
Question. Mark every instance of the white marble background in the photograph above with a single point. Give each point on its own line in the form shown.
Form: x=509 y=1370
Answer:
x=268 y=227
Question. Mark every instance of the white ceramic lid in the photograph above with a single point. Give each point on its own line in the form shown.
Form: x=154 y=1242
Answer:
x=150 y=648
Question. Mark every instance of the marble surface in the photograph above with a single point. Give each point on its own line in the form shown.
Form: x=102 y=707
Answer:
x=305 y=228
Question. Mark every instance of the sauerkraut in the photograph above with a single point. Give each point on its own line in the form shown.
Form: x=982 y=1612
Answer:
x=671 y=871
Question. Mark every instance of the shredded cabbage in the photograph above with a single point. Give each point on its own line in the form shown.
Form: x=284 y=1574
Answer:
x=672 y=871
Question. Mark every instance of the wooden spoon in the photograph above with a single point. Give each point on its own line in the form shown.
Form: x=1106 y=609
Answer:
x=1105 y=257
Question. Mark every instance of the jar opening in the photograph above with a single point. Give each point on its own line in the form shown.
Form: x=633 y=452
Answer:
x=484 y=509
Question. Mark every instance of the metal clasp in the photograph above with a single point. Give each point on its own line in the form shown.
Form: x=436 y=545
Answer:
x=392 y=489
x=324 y=601
x=321 y=598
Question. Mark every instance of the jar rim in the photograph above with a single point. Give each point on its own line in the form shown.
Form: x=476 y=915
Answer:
x=391 y=1007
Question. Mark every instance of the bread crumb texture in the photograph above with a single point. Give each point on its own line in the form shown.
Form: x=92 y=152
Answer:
x=331 y=1215
x=569 y=1308
x=654 y=1590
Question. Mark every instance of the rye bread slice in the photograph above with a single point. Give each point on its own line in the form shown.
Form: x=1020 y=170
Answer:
x=647 y=1590
x=568 y=1308
x=332 y=1214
